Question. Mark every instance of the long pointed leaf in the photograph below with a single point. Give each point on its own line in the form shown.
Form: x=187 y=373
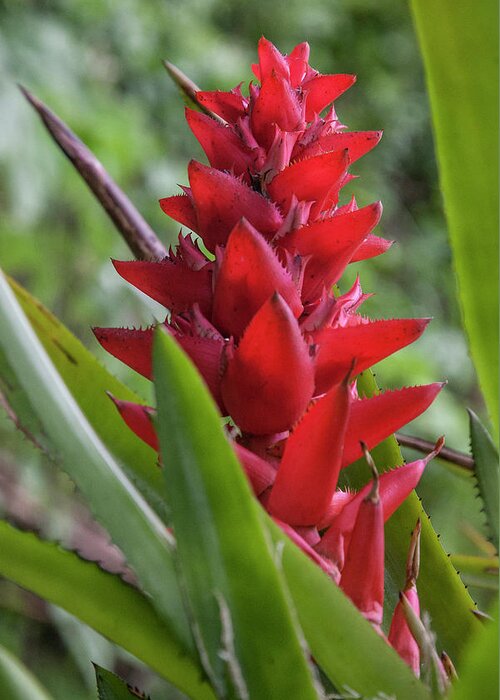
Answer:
x=245 y=629
x=101 y=600
x=459 y=42
x=214 y=514
x=131 y=522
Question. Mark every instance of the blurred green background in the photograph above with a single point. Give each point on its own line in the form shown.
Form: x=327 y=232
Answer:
x=98 y=65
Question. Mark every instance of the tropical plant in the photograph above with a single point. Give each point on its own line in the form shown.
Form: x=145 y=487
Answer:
x=257 y=544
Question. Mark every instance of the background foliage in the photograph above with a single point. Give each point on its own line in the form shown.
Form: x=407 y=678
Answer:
x=97 y=64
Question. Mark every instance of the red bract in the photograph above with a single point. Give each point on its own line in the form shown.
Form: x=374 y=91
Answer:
x=362 y=577
x=400 y=636
x=277 y=346
x=257 y=392
x=139 y=419
x=329 y=245
x=248 y=275
x=173 y=284
x=308 y=473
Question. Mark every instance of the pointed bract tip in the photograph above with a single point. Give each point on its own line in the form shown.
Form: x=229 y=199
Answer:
x=373 y=495
x=448 y=666
x=30 y=97
x=27 y=94
x=179 y=77
x=413 y=561
x=440 y=442
x=350 y=375
x=167 y=65
x=110 y=396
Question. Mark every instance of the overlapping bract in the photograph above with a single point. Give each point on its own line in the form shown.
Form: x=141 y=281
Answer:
x=277 y=347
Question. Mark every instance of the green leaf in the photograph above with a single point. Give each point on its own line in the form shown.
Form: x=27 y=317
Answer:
x=486 y=470
x=115 y=502
x=459 y=43
x=77 y=365
x=479 y=675
x=245 y=629
x=16 y=681
x=221 y=550
x=110 y=687
x=101 y=600
x=442 y=593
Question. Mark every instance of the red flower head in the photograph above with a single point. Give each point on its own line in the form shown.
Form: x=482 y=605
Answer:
x=277 y=346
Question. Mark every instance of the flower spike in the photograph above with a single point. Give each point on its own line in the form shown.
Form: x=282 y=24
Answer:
x=271 y=337
x=224 y=149
x=132 y=346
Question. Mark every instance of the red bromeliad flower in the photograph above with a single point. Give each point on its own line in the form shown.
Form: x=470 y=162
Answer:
x=257 y=312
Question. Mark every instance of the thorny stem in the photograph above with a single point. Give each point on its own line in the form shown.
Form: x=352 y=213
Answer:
x=446 y=453
x=139 y=236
